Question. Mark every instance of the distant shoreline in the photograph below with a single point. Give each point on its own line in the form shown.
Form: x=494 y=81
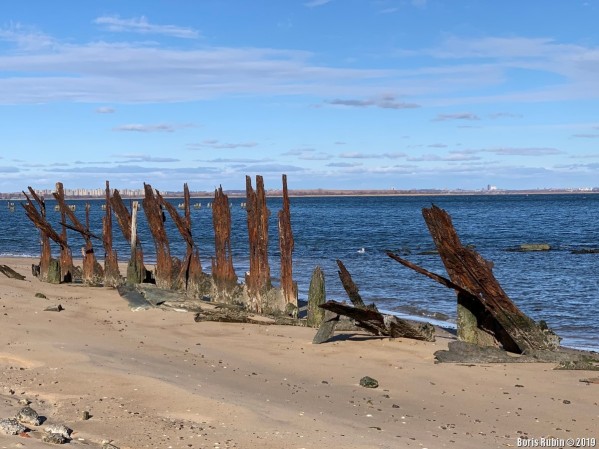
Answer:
x=334 y=193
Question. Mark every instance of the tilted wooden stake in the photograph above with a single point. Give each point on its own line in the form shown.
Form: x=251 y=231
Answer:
x=112 y=275
x=286 y=245
x=46 y=252
x=190 y=274
x=165 y=278
x=66 y=257
x=258 y=280
x=223 y=272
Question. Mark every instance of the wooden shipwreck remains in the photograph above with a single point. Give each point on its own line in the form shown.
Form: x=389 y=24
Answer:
x=42 y=271
x=167 y=267
x=223 y=272
x=112 y=275
x=258 y=279
x=136 y=271
x=286 y=245
x=66 y=257
x=93 y=273
x=368 y=317
x=486 y=315
x=190 y=277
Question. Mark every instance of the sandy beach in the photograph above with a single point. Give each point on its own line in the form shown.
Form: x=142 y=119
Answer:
x=157 y=379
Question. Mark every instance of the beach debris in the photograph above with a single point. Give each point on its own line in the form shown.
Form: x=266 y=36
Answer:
x=58 y=308
x=585 y=364
x=85 y=415
x=66 y=256
x=29 y=416
x=286 y=245
x=10 y=426
x=383 y=324
x=112 y=275
x=369 y=382
x=369 y=318
x=258 y=279
x=10 y=273
x=316 y=297
x=592 y=380
x=41 y=295
x=223 y=272
x=59 y=429
x=486 y=315
x=231 y=313
x=108 y=445
x=327 y=327
x=24 y=401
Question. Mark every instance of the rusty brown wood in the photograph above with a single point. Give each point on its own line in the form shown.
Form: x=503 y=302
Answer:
x=164 y=275
x=112 y=275
x=136 y=271
x=350 y=286
x=258 y=280
x=494 y=311
x=190 y=274
x=66 y=257
x=46 y=251
x=286 y=245
x=223 y=272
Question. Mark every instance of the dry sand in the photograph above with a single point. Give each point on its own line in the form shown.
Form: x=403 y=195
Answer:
x=157 y=379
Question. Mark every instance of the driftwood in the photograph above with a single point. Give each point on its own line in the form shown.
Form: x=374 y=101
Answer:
x=112 y=275
x=10 y=273
x=223 y=272
x=486 y=315
x=317 y=296
x=46 y=254
x=351 y=288
x=258 y=279
x=167 y=268
x=286 y=245
x=66 y=257
x=382 y=324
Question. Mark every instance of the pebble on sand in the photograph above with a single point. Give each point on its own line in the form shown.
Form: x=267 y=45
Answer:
x=369 y=382
x=29 y=416
x=10 y=426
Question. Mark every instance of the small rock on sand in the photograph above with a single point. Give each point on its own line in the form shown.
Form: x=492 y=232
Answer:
x=108 y=445
x=60 y=429
x=10 y=426
x=29 y=416
x=369 y=382
x=54 y=438
x=40 y=295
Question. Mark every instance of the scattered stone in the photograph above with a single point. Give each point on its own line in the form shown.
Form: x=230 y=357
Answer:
x=10 y=426
x=24 y=401
x=54 y=438
x=369 y=382
x=565 y=401
x=57 y=308
x=593 y=380
x=40 y=295
x=29 y=416
x=59 y=429
x=86 y=415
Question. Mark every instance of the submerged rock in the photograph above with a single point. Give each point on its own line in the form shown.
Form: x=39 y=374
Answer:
x=10 y=426
x=535 y=247
x=369 y=382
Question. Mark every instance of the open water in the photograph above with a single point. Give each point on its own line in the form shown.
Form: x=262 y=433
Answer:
x=558 y=286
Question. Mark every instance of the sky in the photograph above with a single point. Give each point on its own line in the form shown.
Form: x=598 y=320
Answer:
x=337 y=94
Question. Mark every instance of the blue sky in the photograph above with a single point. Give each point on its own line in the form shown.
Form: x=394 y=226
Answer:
x=342 y=94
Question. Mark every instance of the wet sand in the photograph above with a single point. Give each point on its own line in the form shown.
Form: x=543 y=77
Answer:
x=157 y=379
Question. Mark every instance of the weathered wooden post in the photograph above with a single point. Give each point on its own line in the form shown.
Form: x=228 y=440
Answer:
x=258 y=281
x=112 y=275
x=316 y=297
x=223 y=272
x=164 y=275
x=66 y=257
x=49 y=268
x=136 y=271
x=286 y=245
x=190 y=276
x=92 y=271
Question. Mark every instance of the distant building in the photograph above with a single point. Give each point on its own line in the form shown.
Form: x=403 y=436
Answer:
x=491 y=188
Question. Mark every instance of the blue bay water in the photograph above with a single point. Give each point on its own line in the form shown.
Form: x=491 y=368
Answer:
x=557 y=286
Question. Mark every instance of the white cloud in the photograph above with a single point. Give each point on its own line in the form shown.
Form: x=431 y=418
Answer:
x=142 y=25
x=316 y=3
x=105 y=110
x=215 y=144
x=359 y=155
x=384 y=102
x=458 y=116
x=160 y=127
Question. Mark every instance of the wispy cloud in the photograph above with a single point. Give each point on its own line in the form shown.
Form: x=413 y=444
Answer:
x=26 y=38
x=238 y=160
x=142 y=25
x=105 y=110
x=344 y=164
x=497 y=115
x=524 y=151
x=160 y=127
x=136 y=158
x=384 y=102
x=586 y=136
x=4 y=169
x=457 y=116
x=359 y=155
x=316 y=3
x=216 y=144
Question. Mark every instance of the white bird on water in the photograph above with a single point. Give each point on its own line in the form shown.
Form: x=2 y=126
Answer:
x=362 y=250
